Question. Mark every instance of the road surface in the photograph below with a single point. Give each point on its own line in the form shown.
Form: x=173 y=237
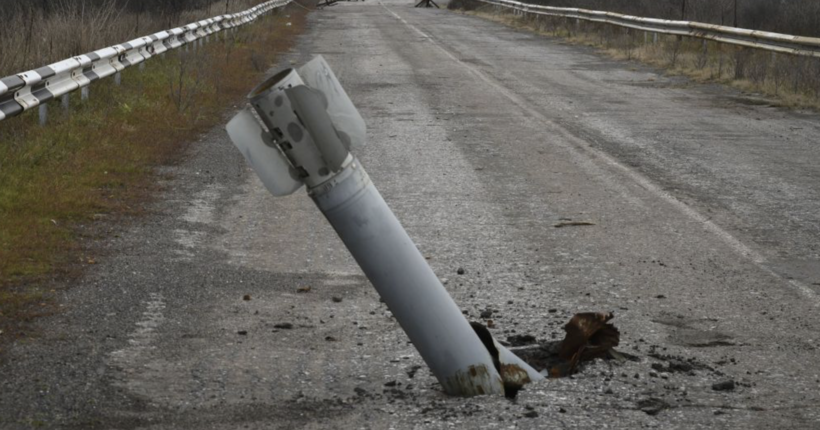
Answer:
x=706 y=213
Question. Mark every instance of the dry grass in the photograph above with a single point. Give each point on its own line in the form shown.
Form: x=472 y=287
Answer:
x=31 y=38
x=97 y=161
x=790 y=80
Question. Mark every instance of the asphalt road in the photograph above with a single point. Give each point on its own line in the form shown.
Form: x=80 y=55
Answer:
x=481 y=138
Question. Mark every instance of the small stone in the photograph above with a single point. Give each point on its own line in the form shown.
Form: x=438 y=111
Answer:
x=461 y=271
x=411 y=373
x=680 y=366
x=521 y=339
x=531 y=414
x=552 y=311
x=487 y=313
x=660 y=296
x=284 y=326
x=336 y=299
x=390 y=384
x=303 y=289
x=728 y=385
x=242 y=332
x=246 y=297
x=562 y=410
x=330 y=339
x=652 y=406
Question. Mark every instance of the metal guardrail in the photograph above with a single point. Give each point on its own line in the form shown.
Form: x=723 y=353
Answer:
x=776 y=42
x=25 y=91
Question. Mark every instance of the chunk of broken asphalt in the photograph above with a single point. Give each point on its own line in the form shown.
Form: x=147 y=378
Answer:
x=411 y=373
x=652 y=406
x=521 y=340
x=728 y=385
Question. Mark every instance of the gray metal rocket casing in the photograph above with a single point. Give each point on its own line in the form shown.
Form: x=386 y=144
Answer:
x=309 y=127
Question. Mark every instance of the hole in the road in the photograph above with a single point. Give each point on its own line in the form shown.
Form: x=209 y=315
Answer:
x=588 y=336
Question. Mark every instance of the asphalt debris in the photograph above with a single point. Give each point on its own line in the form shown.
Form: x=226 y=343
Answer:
x=652 y=406
x=573 y=224
x=727 y=385
x=521 y=340
x=411 y=372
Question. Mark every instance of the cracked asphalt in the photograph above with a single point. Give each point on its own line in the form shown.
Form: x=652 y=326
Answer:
x=227 y=308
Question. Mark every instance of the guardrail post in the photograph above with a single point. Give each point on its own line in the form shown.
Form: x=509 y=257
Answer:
x=43 y=114
x=66 y=102
x=654 y=38
x=118 y=78
x=84 y=93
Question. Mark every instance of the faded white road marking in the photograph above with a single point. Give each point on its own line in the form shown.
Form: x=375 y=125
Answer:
x=142 y=338
x=200 y=211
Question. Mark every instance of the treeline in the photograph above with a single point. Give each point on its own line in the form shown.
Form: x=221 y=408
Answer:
x=34 y=33
x=799 y=17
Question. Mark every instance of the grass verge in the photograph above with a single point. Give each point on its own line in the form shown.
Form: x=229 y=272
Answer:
x=787 y=80
x=97 y=160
